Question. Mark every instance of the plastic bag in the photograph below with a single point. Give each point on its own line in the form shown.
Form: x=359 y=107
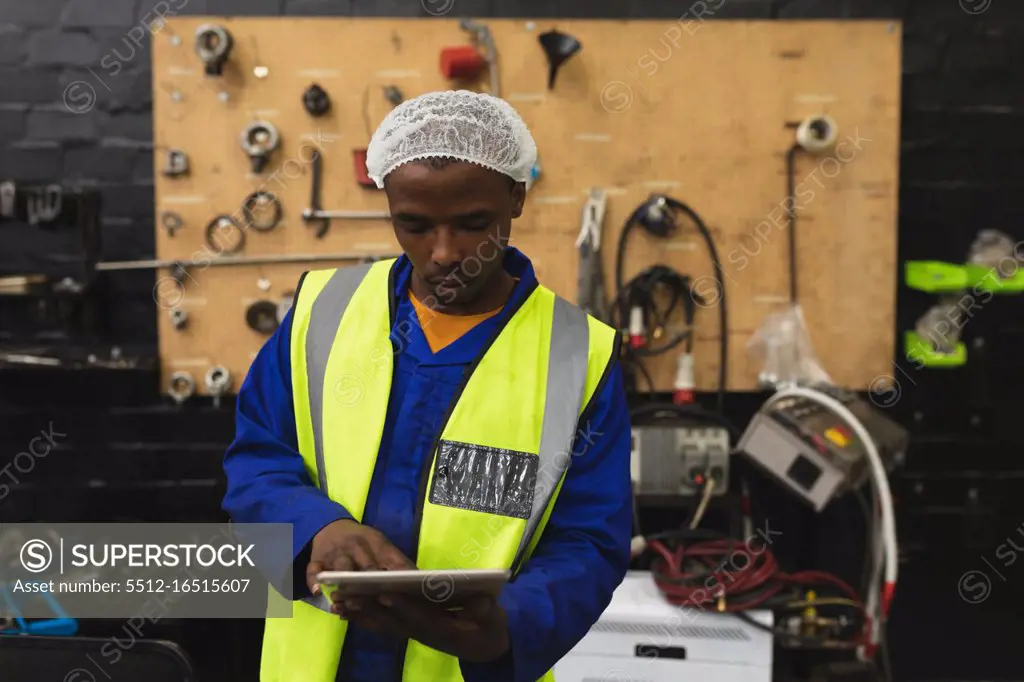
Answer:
x=941 y=325
x=783 y=346
x=990 y=248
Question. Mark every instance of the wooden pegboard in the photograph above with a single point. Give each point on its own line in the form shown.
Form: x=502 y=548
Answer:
x=699 y=111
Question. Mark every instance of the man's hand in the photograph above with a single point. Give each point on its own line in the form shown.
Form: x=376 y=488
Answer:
x=346 y=545
x=477 y=633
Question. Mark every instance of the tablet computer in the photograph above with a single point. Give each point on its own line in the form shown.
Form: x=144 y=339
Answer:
x=449 y=588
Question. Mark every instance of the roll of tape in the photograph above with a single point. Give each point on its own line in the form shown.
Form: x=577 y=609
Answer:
x=817 y=133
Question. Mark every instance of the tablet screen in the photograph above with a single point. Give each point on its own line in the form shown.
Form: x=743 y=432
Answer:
x=447 y=588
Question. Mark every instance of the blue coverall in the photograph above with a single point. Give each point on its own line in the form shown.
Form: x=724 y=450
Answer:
x=581 y=558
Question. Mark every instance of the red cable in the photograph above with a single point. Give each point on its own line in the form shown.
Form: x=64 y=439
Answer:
x=732 y=571
x=813 y=577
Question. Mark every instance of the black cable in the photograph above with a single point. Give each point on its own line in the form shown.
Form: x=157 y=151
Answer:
x=662 y=228
x=689 y=313
x=750 y=620
x=621 y=302
x=791 y=217
x=723 y=348
x=635 y=363
x=640 y=292
x=620 y=256
x=883 y=647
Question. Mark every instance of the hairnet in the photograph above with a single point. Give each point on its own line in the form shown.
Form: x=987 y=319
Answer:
x=455 y=124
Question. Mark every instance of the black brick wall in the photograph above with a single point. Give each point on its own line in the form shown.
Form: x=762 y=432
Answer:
x=962 y=170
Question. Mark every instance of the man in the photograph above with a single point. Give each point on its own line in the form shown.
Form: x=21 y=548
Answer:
x=442 y=410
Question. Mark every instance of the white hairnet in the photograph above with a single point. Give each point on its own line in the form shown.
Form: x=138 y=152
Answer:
x=455 y=124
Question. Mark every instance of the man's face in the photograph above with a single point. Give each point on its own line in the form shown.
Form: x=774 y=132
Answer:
x=453 y=223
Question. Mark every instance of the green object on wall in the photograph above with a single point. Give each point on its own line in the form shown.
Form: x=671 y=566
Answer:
x=920 y=352
x=995 y=280
x=935 y=276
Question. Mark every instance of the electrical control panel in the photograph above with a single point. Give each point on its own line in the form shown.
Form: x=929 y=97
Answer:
x=679 y=460
x=811 y=449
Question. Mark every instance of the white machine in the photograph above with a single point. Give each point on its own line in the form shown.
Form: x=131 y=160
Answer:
x=641 y=637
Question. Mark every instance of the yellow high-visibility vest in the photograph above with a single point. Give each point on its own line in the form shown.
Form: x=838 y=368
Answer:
x=517 y=415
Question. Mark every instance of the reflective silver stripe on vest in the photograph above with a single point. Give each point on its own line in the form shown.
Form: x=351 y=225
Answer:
x=324 y=319
x=567 y=381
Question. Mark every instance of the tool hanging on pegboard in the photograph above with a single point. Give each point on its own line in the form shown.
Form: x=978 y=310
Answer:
x=213 y=46
x=322 y=218
x=259 y=139
x=465 y=62
x=316 y=101
x=591 y=294
x=38 y=205
x=180 y=270
x=558 y=47
x=8 y=196
x=176 y=163
x=44 y=205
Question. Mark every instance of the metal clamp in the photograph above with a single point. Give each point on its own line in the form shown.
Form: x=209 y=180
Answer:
x=44 y=205
x=177 y=163
x=171 y=222
x=482 y=36
x=218 y=381
x=315 y=213
x=590 y=274
x=817 y=133
x=593 y=219
x=213 y=45
x=181 y=387
x=258 y=140
x=8 y=193
x=179 y=318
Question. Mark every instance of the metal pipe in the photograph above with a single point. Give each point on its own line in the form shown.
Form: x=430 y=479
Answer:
x=236 y=260
x=22 y=359
x=492 y=58
x=319 y=214
x=483 y=36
